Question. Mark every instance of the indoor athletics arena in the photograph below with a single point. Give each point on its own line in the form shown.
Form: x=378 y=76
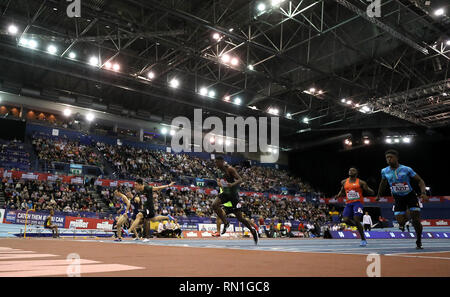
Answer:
x=220 y=138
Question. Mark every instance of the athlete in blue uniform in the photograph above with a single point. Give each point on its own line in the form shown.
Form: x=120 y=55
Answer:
x=124 y=213
x=399 y=179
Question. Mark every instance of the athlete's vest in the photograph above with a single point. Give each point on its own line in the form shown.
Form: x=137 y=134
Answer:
x=228 y=179
x=353 y=191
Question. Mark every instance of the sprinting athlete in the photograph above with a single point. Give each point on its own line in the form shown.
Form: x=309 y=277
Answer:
x=48 y=224
x=405 y=199
x=146 y=210
x=124 y=213
x=229 y=184
x=353 y=188
x=228 y=208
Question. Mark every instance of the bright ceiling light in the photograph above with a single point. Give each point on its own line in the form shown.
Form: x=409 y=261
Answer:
x=388 y=140
x=51 y=49
x=116 y=67
x=305 y=120
x=276 y=2
x=212 y=94
x=174 y=83
x=366 y=141
x=12 y=29
x=108 y=65
x=151 y=75
x=343 y=100
x=226 y=98
x=320 y=92
x=72 y=55
x=447 y=42
x=93 y=61
x=237 y=101
x=225 y=58
x=203 y=91
x=250 y=67
x=67 y=112
x=234 y=61
x=397 y=140
x=163 y=131
x=90 y=117
x=261 y=7
x=172 y=132
x=216 y=36
x=406 y=139
x=23 y=42
x=439 y=12
x=32 y=43
x=312 y=90
x=349 y=102
x=289 y=116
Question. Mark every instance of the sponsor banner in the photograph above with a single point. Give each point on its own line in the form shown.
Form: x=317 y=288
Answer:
x=213 y=227
x=88 y=223
x=33 y=218
x=206 y=234
x=2 y=215
x=436 y=223
x=388 y=235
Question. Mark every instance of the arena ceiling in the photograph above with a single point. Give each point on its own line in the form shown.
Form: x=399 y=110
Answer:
x=325 y=61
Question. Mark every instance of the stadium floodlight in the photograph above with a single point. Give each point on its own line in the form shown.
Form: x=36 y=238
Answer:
x=32 y=44
x=212 y=94
x=12 y=29
x=67 y=112
x=439 y=12
x=261 y=7
x=396 y=140
x=388 y=140
x=237 y=101
x=151 y=75
x=203 y=91
x=93 y=61
x=234 y=61
x=305 y=120
x=447 y=42
x=163 y=131
x=174 y=83
x=406 y=139
x=349 y=102
x=116 y=67
x=343 y=100
x=312 y=90
x=90 y=117
x=225 y=58
x=366 y=141
x=108 y=65
x=289 y=116
x=72 y=55
x=51 y=49
x=226 y=98
x=216 y=36
x=172 y=132
x=250 y=67
x=276 y=2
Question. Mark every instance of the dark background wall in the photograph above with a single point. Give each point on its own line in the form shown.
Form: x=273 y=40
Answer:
x=12 y=129
x=325 y=166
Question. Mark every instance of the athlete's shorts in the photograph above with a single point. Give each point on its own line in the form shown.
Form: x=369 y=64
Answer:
x=353 y=209
x=403 y=203
x=148 y=213
x=227 y=199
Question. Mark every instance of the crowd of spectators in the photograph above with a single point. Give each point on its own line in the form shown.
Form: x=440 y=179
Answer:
x=14 y=156
x=44 y=195
x=62 y=149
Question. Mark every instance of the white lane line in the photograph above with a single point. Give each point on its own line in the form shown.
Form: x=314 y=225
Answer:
x=431 y=252
x=426 y=257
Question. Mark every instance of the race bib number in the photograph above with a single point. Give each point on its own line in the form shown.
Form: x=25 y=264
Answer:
x=400 y=188
x=352 y=195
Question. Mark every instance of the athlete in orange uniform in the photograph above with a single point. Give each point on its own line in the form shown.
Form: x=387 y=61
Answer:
x=353 y=189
